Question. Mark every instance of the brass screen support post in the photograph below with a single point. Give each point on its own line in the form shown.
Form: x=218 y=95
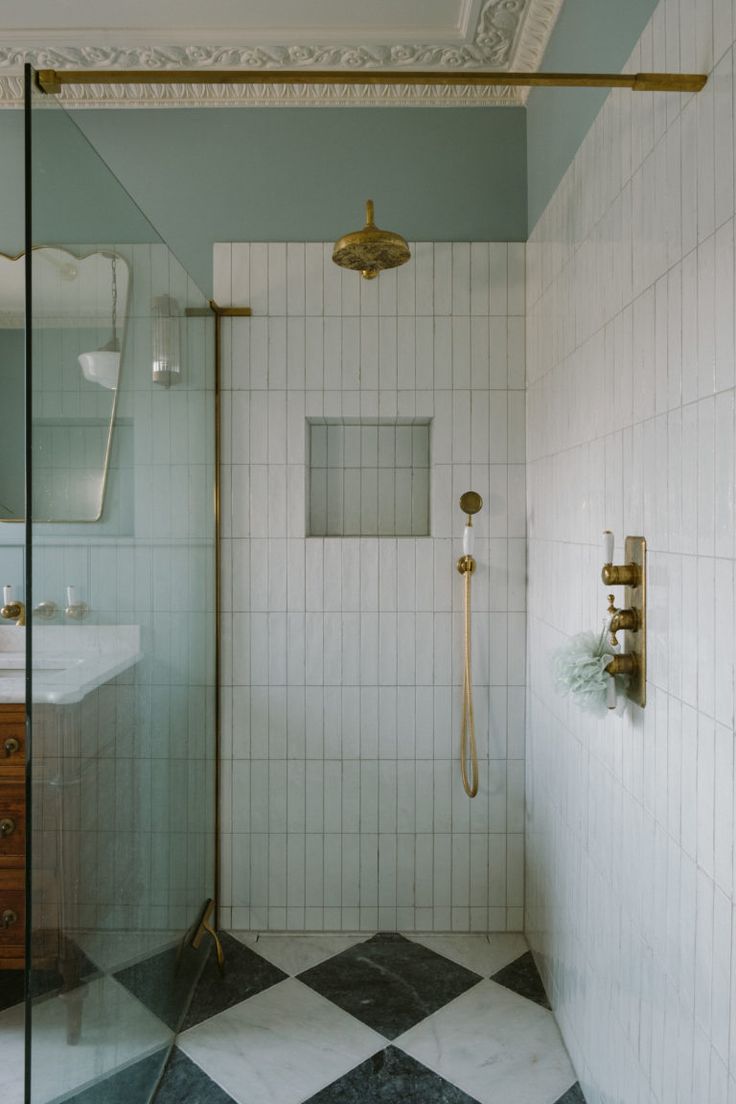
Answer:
x=219 y=313
x=52 y=80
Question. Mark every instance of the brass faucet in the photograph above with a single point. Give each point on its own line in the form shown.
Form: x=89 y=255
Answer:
x=14 y=611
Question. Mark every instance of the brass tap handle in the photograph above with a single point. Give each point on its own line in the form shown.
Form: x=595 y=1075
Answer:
x=46 y=610
x=623 y=665
x=621 y=575
x=612 y=611
x=11 y=746
x=14 y=611
x=8 y=917
x=620 y=619
x=7 y=827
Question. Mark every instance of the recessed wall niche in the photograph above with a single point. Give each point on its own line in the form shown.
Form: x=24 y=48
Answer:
x=368 y=478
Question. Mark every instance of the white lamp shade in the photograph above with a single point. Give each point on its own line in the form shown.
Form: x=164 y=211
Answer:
x=101 y=367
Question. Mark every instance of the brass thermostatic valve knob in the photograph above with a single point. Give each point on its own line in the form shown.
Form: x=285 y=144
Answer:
x=11 y=746
x=620 y=619
x=617 y=574
x=623 y=665
x=8 y=917
x=7 y=826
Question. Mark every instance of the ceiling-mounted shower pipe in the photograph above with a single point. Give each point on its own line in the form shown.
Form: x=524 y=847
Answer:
x=51 y=81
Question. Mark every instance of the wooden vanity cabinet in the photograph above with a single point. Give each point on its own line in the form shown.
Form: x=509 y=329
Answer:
x=12 y=836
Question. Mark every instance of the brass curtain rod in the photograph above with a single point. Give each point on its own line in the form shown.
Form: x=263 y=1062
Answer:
x=51 y=80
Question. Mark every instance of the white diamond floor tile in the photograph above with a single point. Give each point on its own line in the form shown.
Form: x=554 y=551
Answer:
x=295 y=953
x=484 y=954
x=281 y=1046
x=495 y=1046
x=12 y=1034
x=116 y=1031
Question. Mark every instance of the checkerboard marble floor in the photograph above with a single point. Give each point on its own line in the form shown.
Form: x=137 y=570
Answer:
x=361 y=1019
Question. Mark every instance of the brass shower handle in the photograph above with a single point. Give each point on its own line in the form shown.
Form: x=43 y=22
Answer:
x=7 y=827
x=624 y=665
x=620 y=619
x=628 y=574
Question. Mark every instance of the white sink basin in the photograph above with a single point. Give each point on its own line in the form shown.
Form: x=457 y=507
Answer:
x=12 y=665
x=69 y=660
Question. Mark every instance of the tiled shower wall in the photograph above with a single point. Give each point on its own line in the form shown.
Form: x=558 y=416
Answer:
x=342 y=658
x=630 y=427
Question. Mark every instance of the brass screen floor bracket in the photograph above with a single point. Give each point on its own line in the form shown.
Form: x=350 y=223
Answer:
x=204 y=927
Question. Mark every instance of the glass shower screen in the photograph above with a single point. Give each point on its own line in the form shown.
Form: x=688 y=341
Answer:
x=120 y=634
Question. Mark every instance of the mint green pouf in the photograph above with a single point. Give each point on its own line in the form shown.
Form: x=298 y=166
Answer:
x=580 y=671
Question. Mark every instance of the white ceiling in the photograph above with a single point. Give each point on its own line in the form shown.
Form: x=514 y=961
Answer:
x=354 y=35
x=351 y=20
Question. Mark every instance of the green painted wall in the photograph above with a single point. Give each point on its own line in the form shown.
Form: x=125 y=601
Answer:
x=13 y=398
x=11 y=182
x=302 y=174
x=590 y=36
x=75 y=196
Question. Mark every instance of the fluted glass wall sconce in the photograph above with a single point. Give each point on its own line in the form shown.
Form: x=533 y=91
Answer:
x=166 y=350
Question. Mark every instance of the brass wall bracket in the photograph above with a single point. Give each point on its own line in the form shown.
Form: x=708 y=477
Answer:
x=631 y=619
x=465 y=564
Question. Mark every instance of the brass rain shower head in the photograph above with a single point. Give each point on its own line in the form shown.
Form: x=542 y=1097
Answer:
x=370 y=250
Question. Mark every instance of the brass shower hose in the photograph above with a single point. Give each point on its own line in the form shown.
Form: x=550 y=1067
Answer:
x=468 y=746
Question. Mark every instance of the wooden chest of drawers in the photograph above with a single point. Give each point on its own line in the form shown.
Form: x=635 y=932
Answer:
x=12 y=836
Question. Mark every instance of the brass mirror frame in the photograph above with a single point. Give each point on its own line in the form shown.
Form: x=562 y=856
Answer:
x=108 y=446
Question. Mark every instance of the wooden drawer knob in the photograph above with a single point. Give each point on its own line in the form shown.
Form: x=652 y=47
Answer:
x=8 y=917
x=11 y=746
x=7 y=826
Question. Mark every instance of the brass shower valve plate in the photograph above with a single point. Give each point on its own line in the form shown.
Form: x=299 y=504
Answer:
x=635 y=597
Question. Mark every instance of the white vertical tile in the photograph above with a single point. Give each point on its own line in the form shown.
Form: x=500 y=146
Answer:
x=345 y=663
x=650 y=793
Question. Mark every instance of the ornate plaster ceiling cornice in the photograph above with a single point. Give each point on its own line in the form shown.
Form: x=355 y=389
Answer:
x=509 y=34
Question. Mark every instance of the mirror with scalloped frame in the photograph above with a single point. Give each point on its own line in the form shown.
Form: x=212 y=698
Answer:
x=79 y=312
